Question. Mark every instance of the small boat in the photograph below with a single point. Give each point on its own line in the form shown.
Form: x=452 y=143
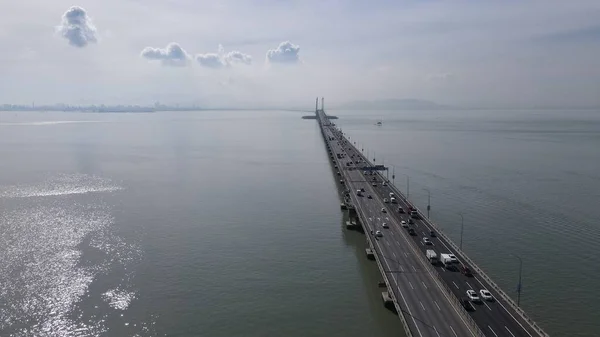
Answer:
x=379 y=123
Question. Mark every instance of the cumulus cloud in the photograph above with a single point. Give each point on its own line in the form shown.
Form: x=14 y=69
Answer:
x=286 y=52
x=172 y=55
x=222 y=59
x=77 y=27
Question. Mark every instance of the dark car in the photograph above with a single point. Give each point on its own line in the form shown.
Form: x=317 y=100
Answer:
x=411 y=221
x=400 y=210
x=432 y=234
x=466 y=304
x=411 y=231
x=466 y=271
x=369 y=196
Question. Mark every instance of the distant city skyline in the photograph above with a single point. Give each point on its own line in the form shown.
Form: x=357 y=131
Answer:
x=281 y=53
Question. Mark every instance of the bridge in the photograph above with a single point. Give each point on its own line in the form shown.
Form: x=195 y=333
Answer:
x=430 y=299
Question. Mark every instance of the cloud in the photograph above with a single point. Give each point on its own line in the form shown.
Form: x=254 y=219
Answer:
x=77 y=27
x=238 y=57
x=286 y=52
x=222 y=59
x=172 y=55
x=440 y=77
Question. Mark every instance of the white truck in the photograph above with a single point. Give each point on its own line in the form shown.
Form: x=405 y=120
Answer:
x=431 y=256
x=448 y=259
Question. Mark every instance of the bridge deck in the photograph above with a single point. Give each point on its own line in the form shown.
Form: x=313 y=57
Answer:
x=426 y=295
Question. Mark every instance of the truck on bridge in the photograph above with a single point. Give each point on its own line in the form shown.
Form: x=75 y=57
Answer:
x=431 y=256
x=448 y=260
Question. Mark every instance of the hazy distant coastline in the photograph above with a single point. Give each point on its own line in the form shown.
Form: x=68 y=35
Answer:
x=393 y=104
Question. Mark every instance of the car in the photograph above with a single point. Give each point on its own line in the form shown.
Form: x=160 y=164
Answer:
x=467 y=304
x=403 y=224
x=378 y=233
x=432 y=234
x=369 y=196
x=427 y=241
x=412 y=232
x=466 y=271
x=362 y=189
x=374 y=178
x=400 y=210
x=384 y=183
x=365 y=173
x=386 y=200
x=383 y=210
x=472 y=295
x=385 y=225
x=486 y=295
x=411 y=221
x=374 y=184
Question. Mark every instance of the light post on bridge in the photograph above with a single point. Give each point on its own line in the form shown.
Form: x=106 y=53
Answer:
x=520 y=274
x=428 y=201
x=462 y=226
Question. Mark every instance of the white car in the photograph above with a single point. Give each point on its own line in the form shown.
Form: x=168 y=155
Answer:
x=379 y=234
x=386 y=200
x=374 y=184
x=472 y=295
x=403 y=224
x=486 y=295
x=384 y=183
x=426 y=241
x=385 y=225
x=383 y=210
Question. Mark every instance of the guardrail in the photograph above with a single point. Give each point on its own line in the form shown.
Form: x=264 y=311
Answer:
x=480 y=272
x=464 y=257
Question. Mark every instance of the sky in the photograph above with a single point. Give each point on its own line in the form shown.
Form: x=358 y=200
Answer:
x=277 y=52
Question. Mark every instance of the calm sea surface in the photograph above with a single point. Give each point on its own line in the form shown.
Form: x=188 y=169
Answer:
x=228 y=224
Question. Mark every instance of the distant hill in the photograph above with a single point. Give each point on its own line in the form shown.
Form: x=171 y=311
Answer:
x=393 y=104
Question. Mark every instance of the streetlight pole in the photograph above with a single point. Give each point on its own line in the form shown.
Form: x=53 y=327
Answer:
x=520 y=279
x=428 y=201
x=462 y=226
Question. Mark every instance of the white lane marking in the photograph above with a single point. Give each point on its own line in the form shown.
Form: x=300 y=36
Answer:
x=468 y=284
x=405 y=254
x=387 y=243
x=415 y=269
x=411 y=286
x=434 y=301
x=442 y=268
x=424 y=284
x=401 y=269
x=398 y=242
x=402 y=295
x=394 y=254
x=492 y=331
x=422 y=306
x=436 y=331
x=455 y=285
x=509 y=331
x=513 y=317
x=454 y=332
x=487 y=306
